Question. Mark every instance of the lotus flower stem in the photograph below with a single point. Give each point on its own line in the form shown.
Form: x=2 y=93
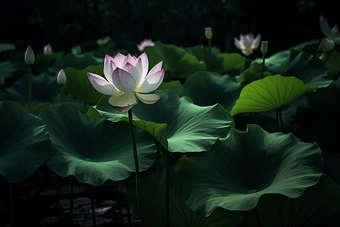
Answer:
x=263 y=59
x=12 y=205
x=62 y=98
x=257 y=217
x=127 y=206
x=280 y=116
x=71 y=202
x=118 y=203
x=209 y=58
x=134 y=146
x=167 y=191
x=92 y=207
x=29 y=87
x=58 y=197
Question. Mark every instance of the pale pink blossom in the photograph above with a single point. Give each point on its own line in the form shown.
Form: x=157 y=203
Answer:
x=331 y=34
x=127 y=79
x=61 y=78
x=247 y=43
x=48 y=49
x=145 y=43
x=29 y=56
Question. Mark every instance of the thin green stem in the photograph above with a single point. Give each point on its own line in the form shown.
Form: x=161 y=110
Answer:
x=277 y=120
x=281 y=120
x=62 y=95
x=71 y=202
x=257 y=217
x=167 y=188
x=58 y=197
x=135 y=155
x=92 y=207
x=263 y=59
x=12 y=204
x=127 y=205
x=118 y=203
x=29 y=87
x=209 y=58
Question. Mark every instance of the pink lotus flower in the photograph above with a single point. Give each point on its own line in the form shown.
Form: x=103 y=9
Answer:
x=48 y=49
x=127 y=80
x=61 y=77
x=247 y=44
x=29 y=56
x=145 y=43
x=331 y=34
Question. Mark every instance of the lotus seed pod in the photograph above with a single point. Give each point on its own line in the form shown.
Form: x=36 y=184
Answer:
x=264 y=47
x=208 y=32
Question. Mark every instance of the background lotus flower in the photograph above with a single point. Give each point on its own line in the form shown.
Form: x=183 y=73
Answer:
x=29 y=56
x=247 y=43
x=333 y=36
x=145 y=43
x=48 y=49
x=127 y=80
x=61 y=77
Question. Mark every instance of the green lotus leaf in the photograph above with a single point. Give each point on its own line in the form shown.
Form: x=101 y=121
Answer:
x=7 y=68
x=174 y=58
x=309 y=46
x=242 y=167
x=6 y=47
x=42 y=62
x=233 y=62
x=211 y=59
x=333 y=64
x=25 y=145
x=173 y=85
x=93 y=151
x=269 y=93
x=44 y=89
x=76 y=61
x=79 y=85
x=207 y=88
x=177 y=123
x=252 y=73
x=313 y=208
x=302 y=65
x=152 y=198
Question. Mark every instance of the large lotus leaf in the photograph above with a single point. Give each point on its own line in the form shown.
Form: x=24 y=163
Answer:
x=210 y=58
x=333 y=64
x=313 y=208
x=302 y=65
x=93 y=151
x=177 y=123
x=6 y=47
x=24 y=142
x=76 y=61
x=174 y=58
x=152 y=198
x=7 y=68
x=44 y=89
x=173 y=85
x=233 y=62
x=206 y=88
x=242 y=167
x=252 y=73
x=309 y=46
x=79 y=85
x=269 y=93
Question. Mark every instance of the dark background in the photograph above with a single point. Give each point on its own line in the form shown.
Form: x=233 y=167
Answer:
x=67 y=23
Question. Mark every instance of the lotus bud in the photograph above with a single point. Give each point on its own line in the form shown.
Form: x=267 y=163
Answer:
x=29 y=56
x=264 y=47
x=61 y=78
x=208 y=32
x=2 y=79
x=48 y=49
